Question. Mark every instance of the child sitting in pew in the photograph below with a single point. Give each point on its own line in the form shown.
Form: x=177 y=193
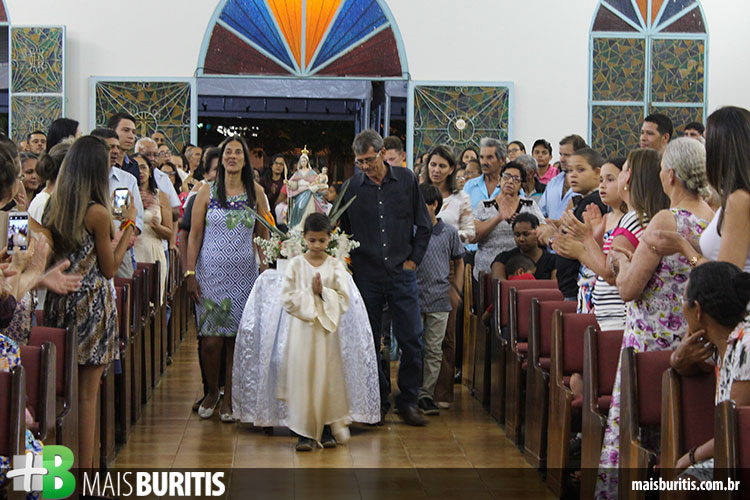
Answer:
x=520 y=267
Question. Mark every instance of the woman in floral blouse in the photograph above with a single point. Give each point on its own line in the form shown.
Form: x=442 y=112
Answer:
x=652 y=286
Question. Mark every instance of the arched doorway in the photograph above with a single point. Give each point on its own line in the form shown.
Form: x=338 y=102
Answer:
x=296 y=72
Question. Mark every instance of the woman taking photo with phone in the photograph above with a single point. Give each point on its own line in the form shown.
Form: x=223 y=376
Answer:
x=79 y=220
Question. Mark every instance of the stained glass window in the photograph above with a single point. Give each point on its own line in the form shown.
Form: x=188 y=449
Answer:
x=647 y=56
x=37 y=78
x=332 y=38
x=156 y=106
x=459 y=116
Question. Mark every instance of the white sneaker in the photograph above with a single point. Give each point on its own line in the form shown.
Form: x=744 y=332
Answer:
x=443 y=405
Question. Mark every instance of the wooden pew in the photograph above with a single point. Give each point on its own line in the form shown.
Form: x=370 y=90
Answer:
x=12 y=422
x=471 y=321
x=687 y=417
x=537 y=381
x=640 y=407
x=156 y=316
x=66 y=381
x=39 y=363
x=143 y=293
x=732 y=448
x=136 y=344
x=173 y=335
x=187 y=309
x=600 y=359
x=498 y=345
x=124 y=379
x=482 y=343
x=519 y=322
x=566 y=355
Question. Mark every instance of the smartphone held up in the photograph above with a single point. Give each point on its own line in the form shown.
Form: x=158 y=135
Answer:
x=121 y=199
x=18 y=232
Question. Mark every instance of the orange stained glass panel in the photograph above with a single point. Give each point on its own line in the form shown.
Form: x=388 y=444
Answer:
x=288 y=14
x=643 y=5
x=655 y=8
x=319 y=15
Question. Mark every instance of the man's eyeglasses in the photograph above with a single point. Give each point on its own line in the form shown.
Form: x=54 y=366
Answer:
x=368 y=161
x=511 y=177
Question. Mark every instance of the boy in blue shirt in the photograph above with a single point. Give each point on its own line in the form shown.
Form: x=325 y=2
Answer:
x=434 y=293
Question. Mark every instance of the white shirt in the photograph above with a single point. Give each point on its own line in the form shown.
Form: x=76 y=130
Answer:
x=456 y=212
x=37 y=206
x=710 y=241
x=164 y=183
x=119 y=178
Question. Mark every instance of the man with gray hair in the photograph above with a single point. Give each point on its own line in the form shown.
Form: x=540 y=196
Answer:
x=492 y=153
x=532 y=188
x=390 y=221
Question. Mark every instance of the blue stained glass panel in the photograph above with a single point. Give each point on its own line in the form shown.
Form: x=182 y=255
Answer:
x=673 y=8
x=252 y=19
x=356 y=20
x=626 y=8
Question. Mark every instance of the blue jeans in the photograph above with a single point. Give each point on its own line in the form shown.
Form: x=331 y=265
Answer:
x=402 y=296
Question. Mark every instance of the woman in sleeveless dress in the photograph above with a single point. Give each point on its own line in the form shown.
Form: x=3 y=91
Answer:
x=157 y=222
x=653 y=286
x=79 y=222
x=221 y=264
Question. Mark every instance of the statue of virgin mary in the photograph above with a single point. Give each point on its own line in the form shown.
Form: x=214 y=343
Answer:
x=305 y=192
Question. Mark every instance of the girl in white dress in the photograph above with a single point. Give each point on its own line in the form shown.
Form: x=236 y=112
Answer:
x=316 y=294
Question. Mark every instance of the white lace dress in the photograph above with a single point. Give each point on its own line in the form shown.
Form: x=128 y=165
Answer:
x=261 y=348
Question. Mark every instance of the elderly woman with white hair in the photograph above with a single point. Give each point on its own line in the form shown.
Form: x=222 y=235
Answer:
x=532 y=188
x=652 y=285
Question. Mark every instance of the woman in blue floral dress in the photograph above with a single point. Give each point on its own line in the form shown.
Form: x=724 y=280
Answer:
x=221 y=264
x=653 y=287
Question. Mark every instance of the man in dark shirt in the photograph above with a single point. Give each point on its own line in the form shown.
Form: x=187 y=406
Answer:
x=390 y=221
x=124 y=125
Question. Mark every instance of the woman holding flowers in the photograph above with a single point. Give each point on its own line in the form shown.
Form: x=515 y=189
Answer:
x=221 y=263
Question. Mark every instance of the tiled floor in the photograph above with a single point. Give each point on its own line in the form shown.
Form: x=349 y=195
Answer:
x=474 y=458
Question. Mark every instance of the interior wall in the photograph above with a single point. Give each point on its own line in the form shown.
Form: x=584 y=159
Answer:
x=540 y=45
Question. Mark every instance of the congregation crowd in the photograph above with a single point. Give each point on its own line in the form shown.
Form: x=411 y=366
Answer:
x=656 y=244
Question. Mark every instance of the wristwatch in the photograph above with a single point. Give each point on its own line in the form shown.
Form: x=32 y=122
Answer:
x=189 y=273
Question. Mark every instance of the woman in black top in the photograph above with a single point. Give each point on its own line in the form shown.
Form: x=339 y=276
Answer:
x=524 y=234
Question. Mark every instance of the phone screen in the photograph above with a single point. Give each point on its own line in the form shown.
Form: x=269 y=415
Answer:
x=121 y=199
x=18 y=231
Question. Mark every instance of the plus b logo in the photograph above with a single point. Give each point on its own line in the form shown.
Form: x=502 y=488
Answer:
x=49 y=473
